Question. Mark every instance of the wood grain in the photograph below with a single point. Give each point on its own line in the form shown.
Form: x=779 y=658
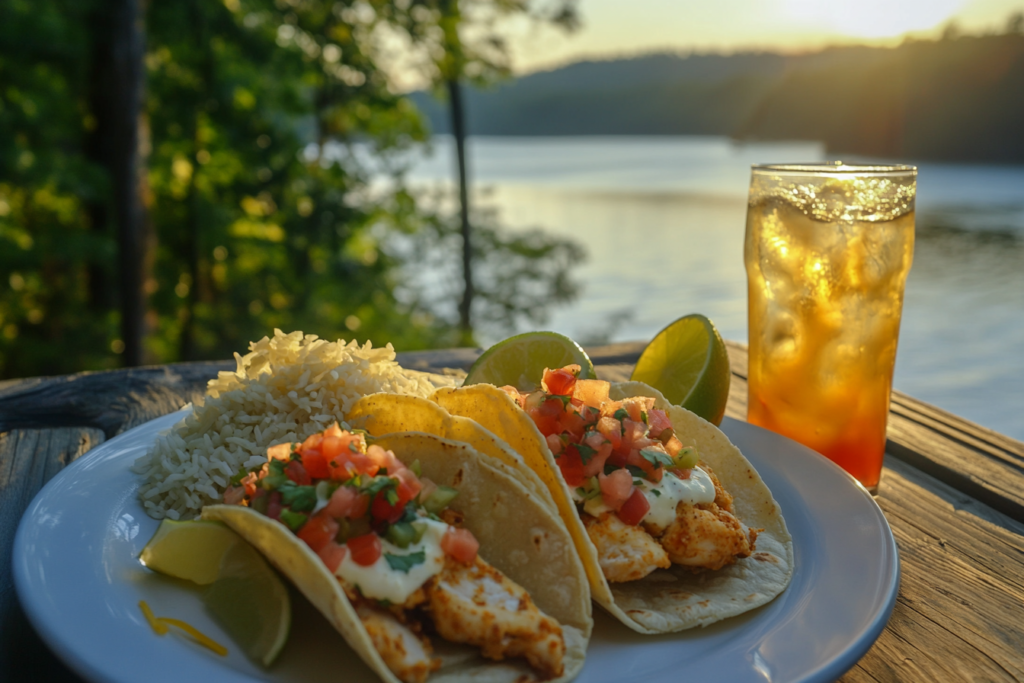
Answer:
x=952 y=491
x=960 y=612
x=29 y=459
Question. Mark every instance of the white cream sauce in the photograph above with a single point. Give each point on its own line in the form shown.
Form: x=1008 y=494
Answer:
x=672 y=490
x=381 y=582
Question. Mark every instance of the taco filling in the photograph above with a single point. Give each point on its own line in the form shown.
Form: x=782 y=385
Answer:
x=645 y=499
x=399 y=553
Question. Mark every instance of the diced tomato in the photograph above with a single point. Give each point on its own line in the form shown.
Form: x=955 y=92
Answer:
x=595 y=439
x=554 y=443
x=673 y=446
x=297 y=473
x=615 y=488
x=596 y=463
x=460 y=544
x=346 y=501
x=331 y=447
x=274 y=505
x=634 y=409
x=547 y=424
x=570 y=422
x=682 y=474
x=593 y=392
x=383 y=510
x=571 y=465
x=559 y=382
x=385 y=460
x=552 y=407
x=611 y=429
x=408 y=484
x=282 y=451
x=633 y=510
x=365 y=549
x=333 y=555
x=312 y=442
x=333 y=430
x=632 y=431
x=657 y=422
x=320 y=529
x=316 y=464
x=347 y=464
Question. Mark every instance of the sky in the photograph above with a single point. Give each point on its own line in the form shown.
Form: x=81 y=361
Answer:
x=614 y=28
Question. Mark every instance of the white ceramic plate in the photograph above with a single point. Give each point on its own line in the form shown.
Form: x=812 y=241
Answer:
x=79 y=580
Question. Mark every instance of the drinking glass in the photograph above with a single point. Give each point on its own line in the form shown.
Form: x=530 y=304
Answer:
x=828 y=248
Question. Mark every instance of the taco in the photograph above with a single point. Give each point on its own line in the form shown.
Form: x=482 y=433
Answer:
x=674 y=526
x=403 y=544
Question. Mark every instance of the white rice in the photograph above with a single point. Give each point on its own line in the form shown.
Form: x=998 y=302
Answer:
x=286 y=388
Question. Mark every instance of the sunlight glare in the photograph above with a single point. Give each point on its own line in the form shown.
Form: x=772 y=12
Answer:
x=873 y=18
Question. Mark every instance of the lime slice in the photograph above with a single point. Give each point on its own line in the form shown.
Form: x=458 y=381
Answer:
x=245 y=596
x=189 y=550
x=688 y=363
x=520 y=360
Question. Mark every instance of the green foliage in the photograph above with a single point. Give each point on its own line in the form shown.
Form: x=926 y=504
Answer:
x=258 y=227
x=52 y=251
x=266 y=127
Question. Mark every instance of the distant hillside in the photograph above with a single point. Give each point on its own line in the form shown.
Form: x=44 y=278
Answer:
x=960 y=99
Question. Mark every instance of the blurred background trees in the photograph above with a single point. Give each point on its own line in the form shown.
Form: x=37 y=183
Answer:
x=272 y=146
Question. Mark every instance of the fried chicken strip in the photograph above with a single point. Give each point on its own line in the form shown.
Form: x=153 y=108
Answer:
x=705 y=536
x=625 y=553
x=406 y=653
x=478 y=605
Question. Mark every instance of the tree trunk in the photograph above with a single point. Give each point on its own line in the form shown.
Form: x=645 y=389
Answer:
x=126 y=74
x=459 y=131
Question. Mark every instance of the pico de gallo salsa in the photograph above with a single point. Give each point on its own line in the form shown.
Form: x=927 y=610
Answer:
x=610 y=452
x=343 y=497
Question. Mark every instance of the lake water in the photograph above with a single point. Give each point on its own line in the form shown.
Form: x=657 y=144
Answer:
x=662 y=220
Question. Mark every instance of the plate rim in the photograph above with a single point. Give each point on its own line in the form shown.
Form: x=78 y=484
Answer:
x=829 y=670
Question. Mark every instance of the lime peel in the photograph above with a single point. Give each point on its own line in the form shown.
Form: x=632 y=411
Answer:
x=520 y=360
x=688 y=362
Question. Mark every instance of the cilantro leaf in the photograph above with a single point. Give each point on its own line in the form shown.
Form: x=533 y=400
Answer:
x=636 y=471
x=656 y=492
x=378 y=484
x=403 y=563
x=299 y=498
x=656 y=458
x=643 y=416
x=586 y=452
x=621 y=414
x=237 y=479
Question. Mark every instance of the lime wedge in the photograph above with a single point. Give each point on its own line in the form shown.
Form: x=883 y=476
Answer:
x=245 y=596
x=688 y=363
x=189 y=550
x=520 y=360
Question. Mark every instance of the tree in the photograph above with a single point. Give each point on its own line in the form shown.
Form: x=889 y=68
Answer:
x=463 y=43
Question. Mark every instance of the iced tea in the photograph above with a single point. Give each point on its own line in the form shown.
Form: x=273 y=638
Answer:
x=828 y=249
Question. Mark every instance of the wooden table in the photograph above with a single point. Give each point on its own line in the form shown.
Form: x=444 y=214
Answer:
x=952 y=491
